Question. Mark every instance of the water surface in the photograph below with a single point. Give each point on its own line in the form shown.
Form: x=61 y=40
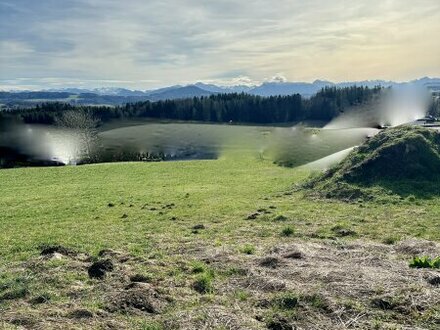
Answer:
x=289 y=146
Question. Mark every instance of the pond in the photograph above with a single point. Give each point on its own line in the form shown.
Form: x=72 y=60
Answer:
x=288 y=146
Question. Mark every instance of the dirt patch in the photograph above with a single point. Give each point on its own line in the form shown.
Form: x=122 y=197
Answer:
x=279 y=323
x=99 y=268
x=41 y=299
x=260 y=283
x=385 y=303
x=52 y=249
x=26 y=322
x=139 y=278
x=342 y=231
x=270 y=262
x=294 y=254
x=253 y=216
x=213 y=317
x=137 y=299
x=169 y=206
x=434 y=280
x=414 y=247
x=80 y=314
x=264 y=211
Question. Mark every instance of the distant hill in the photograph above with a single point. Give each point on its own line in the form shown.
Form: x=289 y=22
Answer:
x=163 y=89
x=309 y=89
x=430 y=83
x=179 y=93
x=289 y=88
x=85 y=97
x=224 y=89
x=112 y=91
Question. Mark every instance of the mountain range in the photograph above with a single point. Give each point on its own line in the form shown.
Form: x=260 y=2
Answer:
x=114 y=96
x=264 y=89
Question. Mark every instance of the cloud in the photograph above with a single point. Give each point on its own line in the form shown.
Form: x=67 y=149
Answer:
x=243 y=81
x=233 y=81
x=278 y=78
x=155 y=43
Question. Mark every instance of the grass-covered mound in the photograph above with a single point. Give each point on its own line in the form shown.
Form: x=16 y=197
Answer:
x=400 y=162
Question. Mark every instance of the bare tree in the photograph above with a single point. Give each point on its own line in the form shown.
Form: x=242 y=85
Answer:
x=84 y=126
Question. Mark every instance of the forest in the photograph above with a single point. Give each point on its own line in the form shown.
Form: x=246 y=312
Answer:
x=219 y=108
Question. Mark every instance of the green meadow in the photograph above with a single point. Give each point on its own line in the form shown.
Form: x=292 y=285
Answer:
x=166 y=220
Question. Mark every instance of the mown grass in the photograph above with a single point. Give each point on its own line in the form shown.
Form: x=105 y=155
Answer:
x=70 y=205
x=153 y=206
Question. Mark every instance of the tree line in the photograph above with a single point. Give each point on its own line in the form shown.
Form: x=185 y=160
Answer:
x=219 y=108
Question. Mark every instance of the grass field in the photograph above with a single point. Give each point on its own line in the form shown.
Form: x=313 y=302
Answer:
x=223 y=244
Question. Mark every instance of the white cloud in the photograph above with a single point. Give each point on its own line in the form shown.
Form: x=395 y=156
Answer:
x=277 y=78
x=156 y=43
x=241 y=80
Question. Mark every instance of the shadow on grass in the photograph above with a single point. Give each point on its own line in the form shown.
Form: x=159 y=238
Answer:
x=420 y=189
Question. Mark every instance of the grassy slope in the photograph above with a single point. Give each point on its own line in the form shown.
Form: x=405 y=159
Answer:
x=69 y=206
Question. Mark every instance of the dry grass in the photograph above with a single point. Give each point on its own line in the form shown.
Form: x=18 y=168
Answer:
x=336 y=284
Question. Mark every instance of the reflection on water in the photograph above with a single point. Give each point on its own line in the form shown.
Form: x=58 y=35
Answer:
x=185 y=141
x=299 y=146
x=42 y=143
x=289 y=146
x=327 y=162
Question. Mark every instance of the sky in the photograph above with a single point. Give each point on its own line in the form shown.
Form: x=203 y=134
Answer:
x=144 y=44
